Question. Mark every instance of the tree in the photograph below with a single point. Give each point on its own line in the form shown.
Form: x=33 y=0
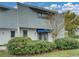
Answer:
x=57 y=23
x=71 y=22
x=77 y=21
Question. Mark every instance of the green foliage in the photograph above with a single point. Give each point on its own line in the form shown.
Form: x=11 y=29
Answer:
x=75 y=36
x=16 y=45
x=77 y=21
x=25 y=47
x=37 y=47
x=71 y=33
x=67 y=43
x=71 y=22
x=70 y=27
x=20 y=39
x=69 y=16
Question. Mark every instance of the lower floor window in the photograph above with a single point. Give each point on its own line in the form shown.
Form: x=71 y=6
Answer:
x=24 y=33
x=12 y=33
x=43 y=36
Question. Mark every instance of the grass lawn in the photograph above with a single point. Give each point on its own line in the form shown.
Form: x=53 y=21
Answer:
x=63 y=53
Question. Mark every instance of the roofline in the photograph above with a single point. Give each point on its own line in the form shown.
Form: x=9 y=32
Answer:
x=4 y=6
x=37 y=7
x=26 y=5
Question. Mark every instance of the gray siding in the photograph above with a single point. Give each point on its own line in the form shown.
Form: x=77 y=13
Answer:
x=29 y=19
x=26 y=18
x=8 y=19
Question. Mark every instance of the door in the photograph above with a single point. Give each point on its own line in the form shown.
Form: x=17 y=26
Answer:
x=43 y=36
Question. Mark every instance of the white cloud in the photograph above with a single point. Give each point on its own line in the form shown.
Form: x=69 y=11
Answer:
x=46 y=7
x=53 y=5
x=65 y=7
x=49 y=8
x=68 y=4
x=76 y=7
x=15 y=7
x=21 y=2
x=59 y=6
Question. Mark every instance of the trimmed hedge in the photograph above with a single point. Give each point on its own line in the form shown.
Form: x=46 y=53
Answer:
x=23 y=46
x=17 y=44
x=67 y=43
x=38 y=47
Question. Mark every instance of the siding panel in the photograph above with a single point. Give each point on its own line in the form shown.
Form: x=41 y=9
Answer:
x=29 y=19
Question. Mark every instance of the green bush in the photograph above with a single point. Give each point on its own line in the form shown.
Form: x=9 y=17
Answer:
x=37 y=47
x=75 y=36
x=67 y=43
x=19 y=47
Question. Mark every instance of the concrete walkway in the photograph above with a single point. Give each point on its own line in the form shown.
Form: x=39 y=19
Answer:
x=3 y=48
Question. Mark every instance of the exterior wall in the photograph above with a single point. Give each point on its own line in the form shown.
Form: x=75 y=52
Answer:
x=30 y=33
x=61 y=34
x=59 y=21
x=28 y=18
x=5 y=36
x=33 y=34
x=50 y=38
x=8 y=19
x=25 y=17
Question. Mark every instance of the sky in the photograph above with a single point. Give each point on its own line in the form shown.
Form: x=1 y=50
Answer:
x=58 y=6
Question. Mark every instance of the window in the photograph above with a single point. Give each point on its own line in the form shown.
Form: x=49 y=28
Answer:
x=44 y=16
x=12 y=33
x=24 y=33
x=43 y=36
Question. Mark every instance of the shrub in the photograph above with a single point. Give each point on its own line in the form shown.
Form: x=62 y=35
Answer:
x=19 y=47
x=37 y=47
x=75 y=36
x=67 y=43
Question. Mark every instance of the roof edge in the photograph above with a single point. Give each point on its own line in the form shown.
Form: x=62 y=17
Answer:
x=37 y=7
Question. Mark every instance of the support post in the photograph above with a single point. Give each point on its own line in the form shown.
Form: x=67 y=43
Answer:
x=18 y=32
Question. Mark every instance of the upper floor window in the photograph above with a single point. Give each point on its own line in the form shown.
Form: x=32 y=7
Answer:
x=44 y=16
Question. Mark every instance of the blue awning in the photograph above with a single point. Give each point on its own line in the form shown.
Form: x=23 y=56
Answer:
x=42 y=30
